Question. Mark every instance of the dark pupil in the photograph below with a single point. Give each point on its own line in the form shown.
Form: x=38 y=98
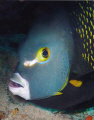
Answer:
x=45 y=53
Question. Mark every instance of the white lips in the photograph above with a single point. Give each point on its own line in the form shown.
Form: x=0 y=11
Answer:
x=24 y=91
x=17 y=82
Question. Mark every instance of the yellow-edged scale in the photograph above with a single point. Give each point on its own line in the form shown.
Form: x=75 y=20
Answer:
x=85 y=29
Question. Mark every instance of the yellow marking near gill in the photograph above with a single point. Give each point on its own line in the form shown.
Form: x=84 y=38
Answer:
x=76 y=83
x=59 y=92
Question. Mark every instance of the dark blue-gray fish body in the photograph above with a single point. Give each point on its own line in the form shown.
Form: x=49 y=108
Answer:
x=47 y=59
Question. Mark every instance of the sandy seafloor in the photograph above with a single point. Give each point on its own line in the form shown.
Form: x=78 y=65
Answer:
x=12 y=109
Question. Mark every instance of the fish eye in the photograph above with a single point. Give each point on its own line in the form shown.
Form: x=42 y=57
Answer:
x=43 y=54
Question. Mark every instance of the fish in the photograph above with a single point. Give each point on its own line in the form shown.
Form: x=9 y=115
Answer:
x=38 y=52
x=56 y=66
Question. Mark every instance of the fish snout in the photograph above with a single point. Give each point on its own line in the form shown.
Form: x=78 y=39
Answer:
x=19 y=86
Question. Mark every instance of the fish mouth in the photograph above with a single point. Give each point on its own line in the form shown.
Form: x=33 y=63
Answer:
x=15 y=81
x=19 y=86
x=14 y=84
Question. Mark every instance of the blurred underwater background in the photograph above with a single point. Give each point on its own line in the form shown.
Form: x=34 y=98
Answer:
x=16 y=18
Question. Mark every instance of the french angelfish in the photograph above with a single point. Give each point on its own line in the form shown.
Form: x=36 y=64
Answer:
x=48 y=73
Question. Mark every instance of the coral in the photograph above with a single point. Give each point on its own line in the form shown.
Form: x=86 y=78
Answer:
x=2 y=115
x=89 y=118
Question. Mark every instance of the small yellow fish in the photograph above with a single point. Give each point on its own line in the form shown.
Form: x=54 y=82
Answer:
x=15 y=112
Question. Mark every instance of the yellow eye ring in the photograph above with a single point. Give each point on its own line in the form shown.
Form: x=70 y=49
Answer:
x=43 y=54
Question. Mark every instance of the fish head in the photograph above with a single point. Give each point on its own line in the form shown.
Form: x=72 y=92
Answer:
x=44 y=61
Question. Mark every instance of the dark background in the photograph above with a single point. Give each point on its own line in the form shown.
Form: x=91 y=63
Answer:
x=17 y=16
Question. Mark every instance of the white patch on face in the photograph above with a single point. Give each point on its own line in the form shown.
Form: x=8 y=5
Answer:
x=24 y=91
x=30 y=63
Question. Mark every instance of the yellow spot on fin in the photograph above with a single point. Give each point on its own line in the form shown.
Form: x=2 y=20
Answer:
x=76 y=83
x=58 y=93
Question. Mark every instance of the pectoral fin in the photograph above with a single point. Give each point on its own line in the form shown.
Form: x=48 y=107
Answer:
x=76 y=83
